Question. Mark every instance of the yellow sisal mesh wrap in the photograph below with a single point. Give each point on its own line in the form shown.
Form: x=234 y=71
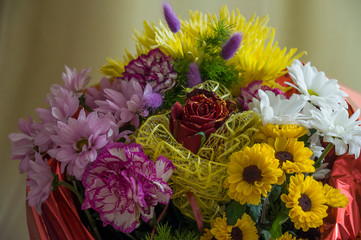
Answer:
x=204 y=173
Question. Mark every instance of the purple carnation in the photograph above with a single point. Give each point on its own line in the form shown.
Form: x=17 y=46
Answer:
x=231 y=46
x=155 y=68
x=171 y=18
x=123 y=184
x=251 y=91
x=193 y=76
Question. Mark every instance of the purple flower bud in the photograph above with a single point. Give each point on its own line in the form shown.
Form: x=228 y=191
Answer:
x=171 y=18
x=193 y=76
x=231 y=46
x=153 y=100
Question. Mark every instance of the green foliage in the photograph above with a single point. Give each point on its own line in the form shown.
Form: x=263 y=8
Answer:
x=83 y=104
x=306 y=137
x=255 y=211
x=213 y=66
x=234 y=211
x=165 y=232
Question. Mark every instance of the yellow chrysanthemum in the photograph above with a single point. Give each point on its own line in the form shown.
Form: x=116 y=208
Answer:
x=252 y=171
x=294 y=157
x=334 y=197
x=284 y=130
x=307 y=202
x=286 y=236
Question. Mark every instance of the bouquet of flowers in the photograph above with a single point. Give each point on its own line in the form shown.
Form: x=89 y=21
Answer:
x=210 y=131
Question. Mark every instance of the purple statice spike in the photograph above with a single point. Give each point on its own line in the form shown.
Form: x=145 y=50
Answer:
x=171 y=18
x=231 y=46
x=193 y=76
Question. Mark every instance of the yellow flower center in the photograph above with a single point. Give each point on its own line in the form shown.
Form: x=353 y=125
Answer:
x=80 y=143
x=311 y=92
x=283 y=156
x=236 y=234
x=251 y=174
x=305 y=202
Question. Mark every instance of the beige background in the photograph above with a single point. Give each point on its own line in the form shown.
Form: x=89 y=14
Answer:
x=38 y=37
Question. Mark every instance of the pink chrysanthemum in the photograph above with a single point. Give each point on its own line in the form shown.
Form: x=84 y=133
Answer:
x=23 y=144
x=80 y=140
x=97 y=93
x=127 y=104
x=75 y=81
x=251 y=91
x=155 y=69
x=124 y=184
x=40 y=179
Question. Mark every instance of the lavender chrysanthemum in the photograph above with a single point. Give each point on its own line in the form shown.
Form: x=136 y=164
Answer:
x=40 y=179
x=75 y=81
x=123 y=184
x=80 y=140
x=231 y=46
x=193 y=76
x=97 y=94
x=171 y=18
x=155 y=69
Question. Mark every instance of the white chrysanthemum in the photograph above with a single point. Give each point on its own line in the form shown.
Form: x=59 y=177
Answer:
x=276 y=109
x=315 y=86
x=338 y=128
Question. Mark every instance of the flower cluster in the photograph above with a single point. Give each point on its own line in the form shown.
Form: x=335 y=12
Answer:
x=197 y=129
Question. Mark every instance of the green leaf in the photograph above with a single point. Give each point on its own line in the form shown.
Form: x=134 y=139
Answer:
x=255 y=211
x=265 y=234
x=203 y=140
x=276 y=228
x=234 y=211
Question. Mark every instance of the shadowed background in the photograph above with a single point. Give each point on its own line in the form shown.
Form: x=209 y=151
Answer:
x=37 y=38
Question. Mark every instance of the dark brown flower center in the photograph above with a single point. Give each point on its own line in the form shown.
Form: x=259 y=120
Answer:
x=251 y=174
x=236 y=234
x=305 y=202
x=213 y=238
x=283 y=156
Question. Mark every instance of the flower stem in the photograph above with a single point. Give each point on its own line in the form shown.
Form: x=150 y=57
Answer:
x=323 y=155
x=87 y=213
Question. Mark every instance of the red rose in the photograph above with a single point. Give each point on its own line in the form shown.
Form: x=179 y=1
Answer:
x=203 y=113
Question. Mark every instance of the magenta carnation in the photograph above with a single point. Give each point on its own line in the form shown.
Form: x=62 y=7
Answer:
x=80 y=140
x=40 y=179
x=155 y=68
x=251 y=91
x=123 y=184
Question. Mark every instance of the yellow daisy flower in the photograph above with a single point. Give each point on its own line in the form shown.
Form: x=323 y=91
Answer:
x=207 y=235
x=284 y=130
x=334 y=197
x=252 y=172
x=286 y=236
x=294 y=157
x=220 y=229
x=307 y=202
x=244 y=228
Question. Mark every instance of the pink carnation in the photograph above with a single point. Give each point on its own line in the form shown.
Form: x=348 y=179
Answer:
x=123 y=184
x=79 y=141
x=251 y=91
x=40 y=179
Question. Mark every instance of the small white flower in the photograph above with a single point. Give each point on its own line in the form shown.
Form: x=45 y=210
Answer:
x=338 y=128
x=276 y=109
x=315 y=86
